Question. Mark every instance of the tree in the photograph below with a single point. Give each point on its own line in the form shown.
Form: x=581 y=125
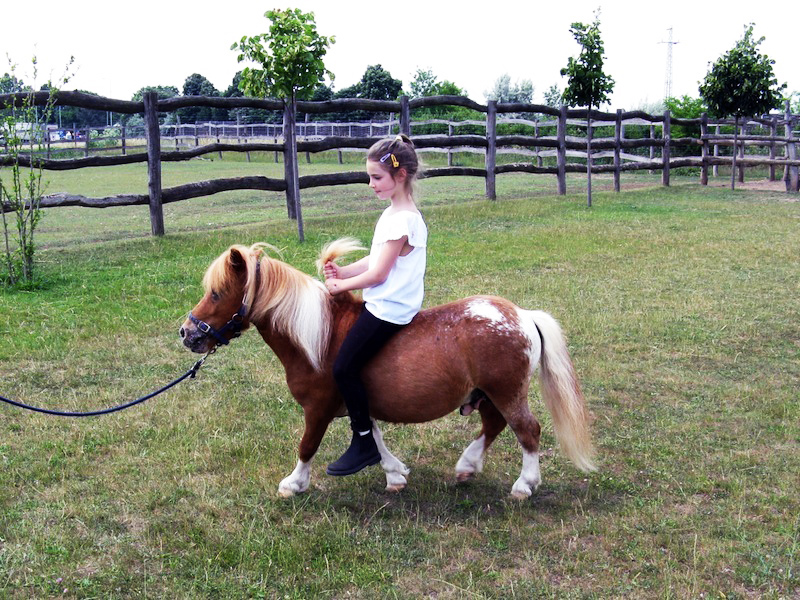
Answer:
x=503 y=91
x=741 y=84
x=426 y=84
x=685 y=107
x=9 y=84
x=197 y=85
x=376 y=84
x=23 y=129
x=291 y=58
x=553 y=97
x=587 y=84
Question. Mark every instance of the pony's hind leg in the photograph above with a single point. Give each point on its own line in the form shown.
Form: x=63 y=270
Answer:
x=471 y=460
x=394 y=468
x=527 y=430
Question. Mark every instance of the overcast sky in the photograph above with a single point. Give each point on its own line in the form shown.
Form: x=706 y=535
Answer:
x=120 y=48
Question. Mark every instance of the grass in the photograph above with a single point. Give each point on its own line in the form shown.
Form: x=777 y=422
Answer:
x=680 y=305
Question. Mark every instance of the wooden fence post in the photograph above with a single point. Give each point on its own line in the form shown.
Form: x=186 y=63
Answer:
x=123 y=140
x=617 y=147
x=704 y=149
x=741 y=153
x=153 y=162
x=405 y=116
x=561 y=150
x=773 y=132
x=290 y=164
x=716 y=150
x=491 y=149
x=88 y=141
x=790 y=173
x=665 y=154
x=449 y=148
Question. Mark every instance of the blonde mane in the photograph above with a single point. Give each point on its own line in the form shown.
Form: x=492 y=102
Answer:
x=291 y=302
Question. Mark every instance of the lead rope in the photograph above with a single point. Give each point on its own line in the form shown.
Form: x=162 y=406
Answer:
x=190 y=374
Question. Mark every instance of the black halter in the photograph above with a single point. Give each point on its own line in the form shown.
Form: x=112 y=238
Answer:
x=233 y=325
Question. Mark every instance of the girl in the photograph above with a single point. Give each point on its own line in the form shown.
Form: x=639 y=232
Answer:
x=391 y=278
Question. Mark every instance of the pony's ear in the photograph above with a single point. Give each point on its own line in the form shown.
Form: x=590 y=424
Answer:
x=237 y=260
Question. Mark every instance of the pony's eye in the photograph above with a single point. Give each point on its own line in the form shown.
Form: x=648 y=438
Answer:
x=215 y=296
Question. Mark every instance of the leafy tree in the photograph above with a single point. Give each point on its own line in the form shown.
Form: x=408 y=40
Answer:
x=553 y=97
x=425 y=84
x=376 y=84
x=163 y=91
x=197 y=85
x=9 y=84
x=503 y=91
x=23 y=128
x=248 y=115
x=291 y=62
x=291 y=59
x=742 y=84
x=587 y=84
x=686 y=107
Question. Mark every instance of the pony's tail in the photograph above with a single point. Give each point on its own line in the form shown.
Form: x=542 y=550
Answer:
x=336 y=249
x=562 y=394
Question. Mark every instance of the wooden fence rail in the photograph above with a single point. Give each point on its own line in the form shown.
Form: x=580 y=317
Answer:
x=560 y=146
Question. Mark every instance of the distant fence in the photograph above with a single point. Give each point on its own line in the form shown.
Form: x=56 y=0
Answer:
x=549 y=149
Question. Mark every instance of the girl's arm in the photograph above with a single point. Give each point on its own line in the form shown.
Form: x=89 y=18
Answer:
x=334 y=271
x=369 y=277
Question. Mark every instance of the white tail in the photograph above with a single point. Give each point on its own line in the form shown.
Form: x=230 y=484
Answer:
x=562 y=393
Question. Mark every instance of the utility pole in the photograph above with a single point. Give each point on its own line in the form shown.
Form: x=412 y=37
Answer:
x=668 y=77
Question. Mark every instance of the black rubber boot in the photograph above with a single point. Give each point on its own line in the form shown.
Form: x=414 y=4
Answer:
x=362 y=453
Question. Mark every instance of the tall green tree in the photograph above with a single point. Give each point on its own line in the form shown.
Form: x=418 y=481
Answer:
x=741 y=83
x=291 y=63
x=587 y=83
x=376 y=84
x=198 y=85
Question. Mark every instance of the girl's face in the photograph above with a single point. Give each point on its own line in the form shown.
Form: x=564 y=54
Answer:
x=381 y=181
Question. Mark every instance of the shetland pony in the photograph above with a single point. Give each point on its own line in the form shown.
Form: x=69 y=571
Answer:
x=478 y=353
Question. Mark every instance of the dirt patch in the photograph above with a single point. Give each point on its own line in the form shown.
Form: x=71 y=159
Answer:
x=761 y=185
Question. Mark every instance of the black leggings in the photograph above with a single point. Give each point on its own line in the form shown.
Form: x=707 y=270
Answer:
x=365 y=339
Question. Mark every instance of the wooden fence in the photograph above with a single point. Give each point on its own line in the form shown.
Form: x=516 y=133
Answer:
x=550 y=141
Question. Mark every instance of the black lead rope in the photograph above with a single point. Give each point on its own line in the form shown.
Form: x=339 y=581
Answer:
x=191 y=373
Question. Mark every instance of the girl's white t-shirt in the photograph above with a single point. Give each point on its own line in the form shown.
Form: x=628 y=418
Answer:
x=399 y=297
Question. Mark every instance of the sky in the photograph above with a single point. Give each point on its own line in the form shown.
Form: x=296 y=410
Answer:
x=117 y=50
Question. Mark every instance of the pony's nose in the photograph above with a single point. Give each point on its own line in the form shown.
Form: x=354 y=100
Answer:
x=182 y=333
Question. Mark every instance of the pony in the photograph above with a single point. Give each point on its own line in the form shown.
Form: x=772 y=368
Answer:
x=478 y=353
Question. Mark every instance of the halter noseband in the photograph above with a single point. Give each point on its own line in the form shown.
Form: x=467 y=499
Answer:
x=233 y=325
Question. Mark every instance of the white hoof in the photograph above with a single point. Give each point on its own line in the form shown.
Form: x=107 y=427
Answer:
x=297 y=482
x=471 y=460
x=529 y=479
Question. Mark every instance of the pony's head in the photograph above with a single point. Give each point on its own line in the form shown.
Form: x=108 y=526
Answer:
x=244 y=286
x=226 y=307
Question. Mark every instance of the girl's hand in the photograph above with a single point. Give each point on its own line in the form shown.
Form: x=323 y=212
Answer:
x=333 y=285
x=331 y=270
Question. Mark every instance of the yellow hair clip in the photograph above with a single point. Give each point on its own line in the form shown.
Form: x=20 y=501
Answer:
x=395 y=162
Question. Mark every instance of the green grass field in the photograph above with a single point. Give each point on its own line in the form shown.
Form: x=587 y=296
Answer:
x=680 y=306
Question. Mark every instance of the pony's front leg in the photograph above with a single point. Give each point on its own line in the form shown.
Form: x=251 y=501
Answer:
x=316 y=425
x=393 y=467
x=297 y=482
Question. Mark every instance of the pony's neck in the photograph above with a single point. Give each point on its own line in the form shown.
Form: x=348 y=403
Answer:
x=290 y=306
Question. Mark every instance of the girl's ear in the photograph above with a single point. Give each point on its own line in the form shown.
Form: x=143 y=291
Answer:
x=400 y=175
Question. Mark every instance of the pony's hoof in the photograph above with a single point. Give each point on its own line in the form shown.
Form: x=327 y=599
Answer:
x=520 y=496
x=396 y=488
x=285 y=492
x=465 y=476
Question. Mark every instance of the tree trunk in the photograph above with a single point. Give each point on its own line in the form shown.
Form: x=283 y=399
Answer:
x=589 y=159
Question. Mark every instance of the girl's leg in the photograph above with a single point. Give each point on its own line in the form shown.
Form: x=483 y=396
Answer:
x=364 y=340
